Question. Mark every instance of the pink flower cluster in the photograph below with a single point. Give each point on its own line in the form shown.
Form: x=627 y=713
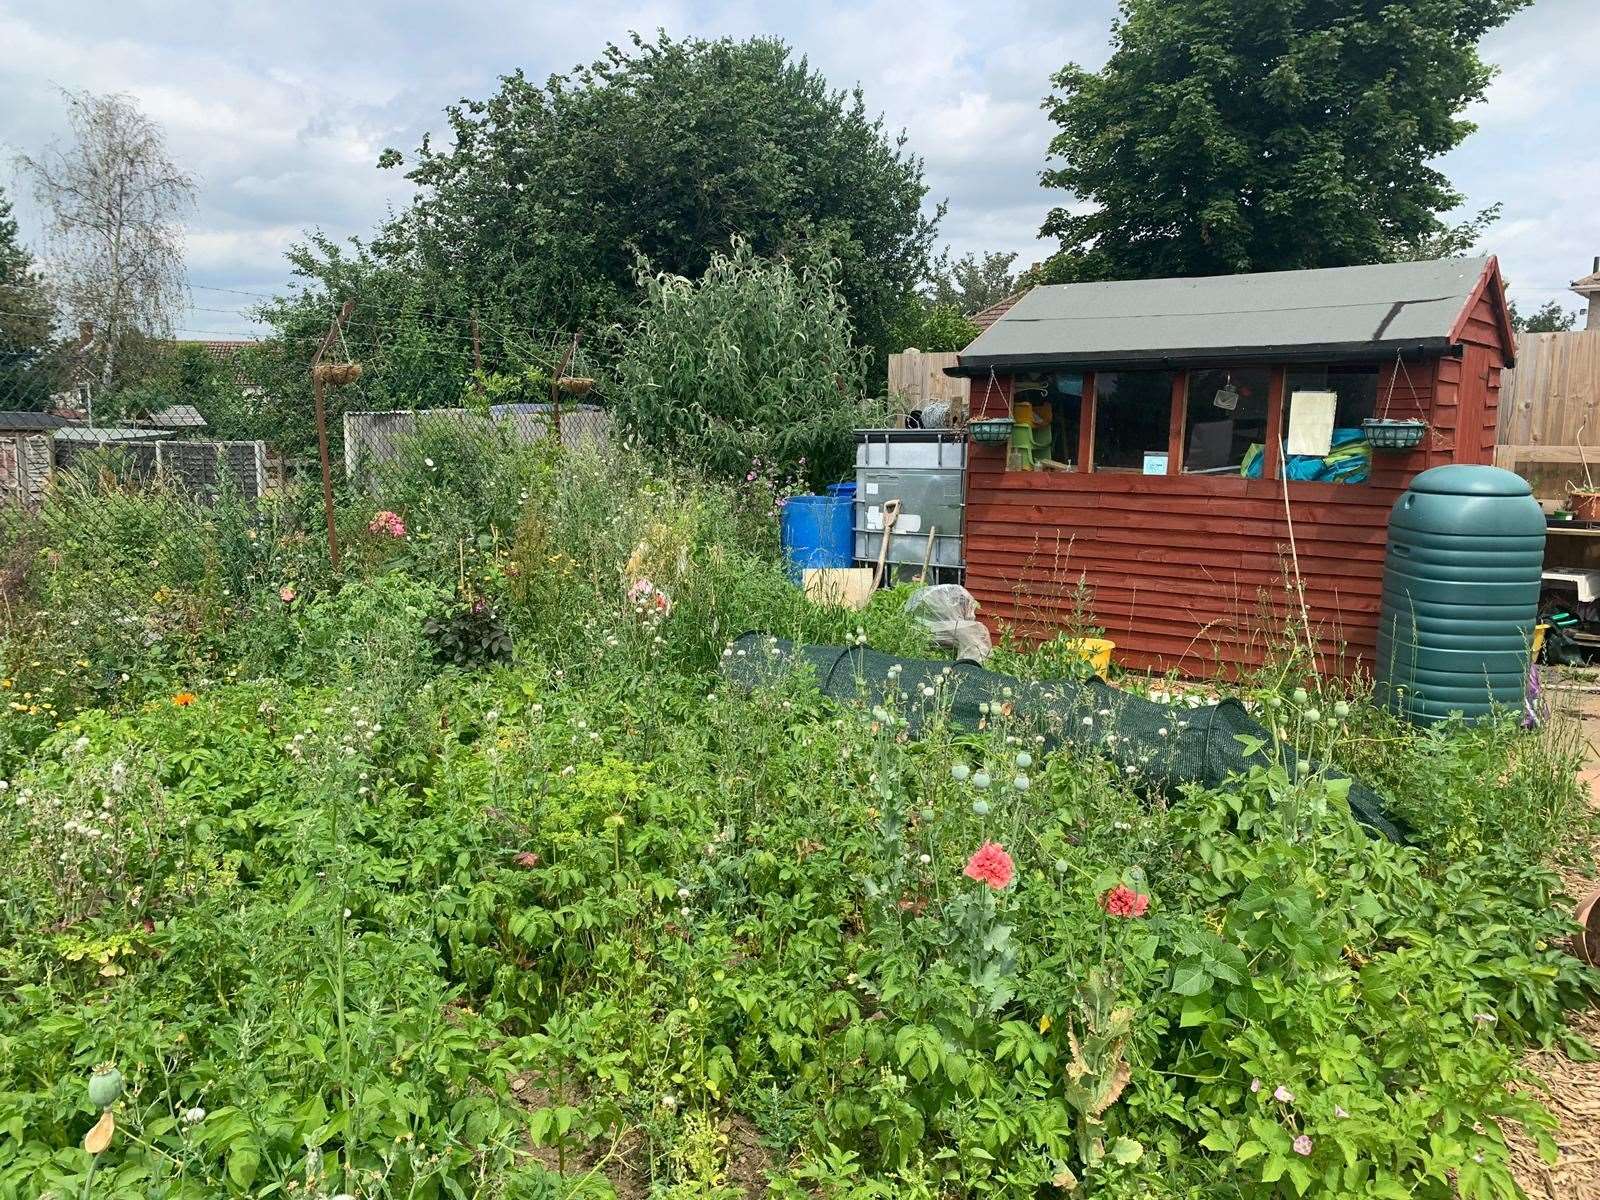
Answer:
x=649 y=601
x=1123 y=901
x=991 y=865
x=388 y=523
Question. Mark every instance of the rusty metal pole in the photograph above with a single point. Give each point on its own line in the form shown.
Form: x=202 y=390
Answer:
x=317 y=387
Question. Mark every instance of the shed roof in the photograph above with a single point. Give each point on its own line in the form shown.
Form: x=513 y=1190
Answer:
x=1330 y=312
x=176 y=416
x=110 y=433
x=30 y=422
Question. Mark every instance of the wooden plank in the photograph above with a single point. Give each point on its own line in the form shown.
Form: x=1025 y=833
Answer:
x=1063 y=486
x=1175 y=422
x=1086 y=415
x=1274 y=434
x=1188 y=581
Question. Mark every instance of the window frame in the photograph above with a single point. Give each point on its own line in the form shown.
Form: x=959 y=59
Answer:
x=1177 y=415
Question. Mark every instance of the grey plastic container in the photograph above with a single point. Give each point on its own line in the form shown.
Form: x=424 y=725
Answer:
x=1460 y=593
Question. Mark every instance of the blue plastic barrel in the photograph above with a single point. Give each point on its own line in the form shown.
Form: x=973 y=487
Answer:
x=847 y=490
x=816 y=532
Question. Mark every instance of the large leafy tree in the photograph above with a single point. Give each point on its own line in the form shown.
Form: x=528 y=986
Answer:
x=27 y=320
x=1257 y=135
x=546 y=194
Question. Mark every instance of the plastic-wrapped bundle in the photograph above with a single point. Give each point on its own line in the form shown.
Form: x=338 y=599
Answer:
x=950 y=615
x=1159 y=746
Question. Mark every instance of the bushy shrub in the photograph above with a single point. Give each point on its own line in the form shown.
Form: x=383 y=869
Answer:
x=753 y=361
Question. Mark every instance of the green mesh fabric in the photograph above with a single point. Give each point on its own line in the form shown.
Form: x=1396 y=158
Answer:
x=1159 y=746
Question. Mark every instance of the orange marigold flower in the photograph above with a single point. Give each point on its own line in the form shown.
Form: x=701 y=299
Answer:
x=184 y=699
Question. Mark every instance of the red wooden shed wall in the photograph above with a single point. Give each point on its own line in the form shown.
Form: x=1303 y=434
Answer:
x=1191 y=572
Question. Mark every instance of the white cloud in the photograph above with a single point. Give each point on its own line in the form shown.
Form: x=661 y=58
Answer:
x=281 y=109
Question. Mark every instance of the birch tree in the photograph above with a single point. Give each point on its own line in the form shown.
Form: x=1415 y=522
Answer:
x=115 y=203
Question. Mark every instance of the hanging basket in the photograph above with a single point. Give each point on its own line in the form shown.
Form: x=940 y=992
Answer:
x=336 y=374
x=992 y=431
x=1385 y=434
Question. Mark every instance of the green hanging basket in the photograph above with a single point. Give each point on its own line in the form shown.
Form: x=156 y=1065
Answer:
x=1384 y=434
x=992 y=431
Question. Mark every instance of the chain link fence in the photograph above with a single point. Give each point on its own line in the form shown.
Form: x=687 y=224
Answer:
x=138 y=506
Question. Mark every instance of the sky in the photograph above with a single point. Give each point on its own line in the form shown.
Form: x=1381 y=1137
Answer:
x=281 y=108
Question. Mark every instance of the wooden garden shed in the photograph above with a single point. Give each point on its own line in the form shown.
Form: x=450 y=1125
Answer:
x=1148 y=456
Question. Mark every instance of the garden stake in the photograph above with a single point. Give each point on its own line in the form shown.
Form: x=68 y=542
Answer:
x=927 y=555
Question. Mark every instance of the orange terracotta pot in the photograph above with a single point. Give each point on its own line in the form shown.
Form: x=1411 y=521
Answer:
x=1585 y=506
x=1586 y=944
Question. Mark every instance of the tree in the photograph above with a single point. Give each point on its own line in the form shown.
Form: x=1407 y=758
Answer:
x=931 y=327
x=1259 y=135
x=27 y=321
x=970 y=285
x=116 y=204
x=754 y=360
x=669 y=149
x=1549 y=317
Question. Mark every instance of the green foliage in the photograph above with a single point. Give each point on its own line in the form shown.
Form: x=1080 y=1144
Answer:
x=970 y=284
x=410 y=335
x=27 y=320
x=470 y=635
x=1549 y=317
x=590 y=922
x=670 y=149
x=1222 y=138
x=933 y=327
x=752 y=362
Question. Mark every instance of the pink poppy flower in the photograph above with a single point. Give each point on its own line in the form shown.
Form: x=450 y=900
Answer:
x=991 y=865
x=1123 y=901
x=286 y=594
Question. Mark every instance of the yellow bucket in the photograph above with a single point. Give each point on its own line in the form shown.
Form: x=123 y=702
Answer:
x=1096 y=650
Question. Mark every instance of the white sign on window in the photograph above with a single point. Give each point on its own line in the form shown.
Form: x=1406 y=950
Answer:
x=1155 y=463
x=1311 y=422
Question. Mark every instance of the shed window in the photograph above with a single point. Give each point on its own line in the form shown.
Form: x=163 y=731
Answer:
x=1225 y=422
x=1132 y=418
x=1048 y=408
x=1356 y=387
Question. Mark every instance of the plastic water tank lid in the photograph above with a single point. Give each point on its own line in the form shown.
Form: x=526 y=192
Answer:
x=1465 y=479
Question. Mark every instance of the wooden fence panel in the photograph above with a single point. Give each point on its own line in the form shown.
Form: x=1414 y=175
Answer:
x=915 y=378
x=1550 y=410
